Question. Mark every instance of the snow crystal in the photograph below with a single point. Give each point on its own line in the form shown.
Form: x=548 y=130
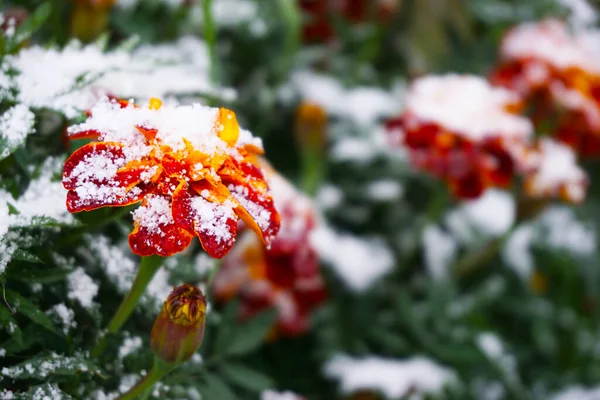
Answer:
x=15 y=124
x=578 y=393
x=273 y=395
x=115 y=262
x=127 y=382
x=260 y=214
x=385 y=190
x=47 y=367
x=212 y=218
x=359 y=150
x=130 y=345
x=203 y=264
x=82 y=288
x=466 y=105
x=154 y=214
x=394 y=378
x=65 y=316
x=359 y=262
x=2 y=352
x=440 y=250
x=5 y=394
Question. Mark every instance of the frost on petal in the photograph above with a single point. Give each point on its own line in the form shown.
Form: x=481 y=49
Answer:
x=215 y=223
x=155 y=231
x=95 y=178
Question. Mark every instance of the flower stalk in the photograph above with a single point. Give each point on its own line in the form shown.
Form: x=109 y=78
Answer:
x=146 y=271
x=158 y=371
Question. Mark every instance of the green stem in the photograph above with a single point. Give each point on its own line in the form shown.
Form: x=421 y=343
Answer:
x=146 y=271
x=144 y=386
x=210 y=36
x=312 y=171
x=292 y=17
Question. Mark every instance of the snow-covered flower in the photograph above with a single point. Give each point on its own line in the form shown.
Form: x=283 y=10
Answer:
x=553 y=172
x=286 y=274
x=191 y=166
x=462 y=130
x=557 y=71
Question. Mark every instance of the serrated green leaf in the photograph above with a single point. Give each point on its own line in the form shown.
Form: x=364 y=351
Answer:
x=251 y=334
x=29 y=309
x=246 y=378
x=34 y=22
x=216 y=388
x=50 y=365
x=46 y=391
x=9 y=324
x=23 y=255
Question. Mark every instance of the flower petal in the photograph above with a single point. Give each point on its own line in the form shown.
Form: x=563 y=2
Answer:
x=96 y=176
x=155 y=231
x=214 y=222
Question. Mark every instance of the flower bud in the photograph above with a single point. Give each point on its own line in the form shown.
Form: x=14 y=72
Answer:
x=179 y=328
x=311 y=126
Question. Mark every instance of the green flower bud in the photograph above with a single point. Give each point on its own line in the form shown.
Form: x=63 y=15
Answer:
x=179 y=328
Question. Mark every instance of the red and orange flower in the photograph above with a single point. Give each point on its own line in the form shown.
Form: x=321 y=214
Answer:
x=192 y=168
x=463 y=131
x=285 y=275
x=557 y=71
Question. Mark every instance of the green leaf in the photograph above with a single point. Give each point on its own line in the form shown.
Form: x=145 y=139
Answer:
x=215 y=388
x=33 y=274
x=50 y=365
x=29 y=309
x=9 y=324
x=23 y=255
x=35 y=21
x=246 y=378
x=46 y=391
x=250 y=335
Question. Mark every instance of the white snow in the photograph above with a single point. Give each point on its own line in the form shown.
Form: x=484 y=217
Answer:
x=552 y=42
x=517 y=251
x=363 y=105
x=563 y=231
x=554 y=169
x=582 y=14
x=439 y=250
x=114 y=260
x=467 y=105
x=385 y=190
x=393 y=378
x=48 y=77
x=65 y=316
x=492 y=214
x=15 y=124
x=273 y=395
x=329 y=196
x=359 y=262
x=82 y=288
x=578 y=392
x=130 y=345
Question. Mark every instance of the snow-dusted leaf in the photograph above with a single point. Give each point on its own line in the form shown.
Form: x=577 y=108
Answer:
x=15 y=124
x=34 y=274
x=23 y=255
x=48 y=365
x=45 y=391
x=9 y=324
x=29 y=309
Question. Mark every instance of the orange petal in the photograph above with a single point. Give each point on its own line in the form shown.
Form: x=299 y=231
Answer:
x=155 y=231
x=214 y=223
x=227 y=126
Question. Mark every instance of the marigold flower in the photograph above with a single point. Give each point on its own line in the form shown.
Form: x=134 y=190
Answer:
x=552 y=171
x=285 y=275
x=191 y=167
x=463 y=131
x=557 y=71
x=179 y=328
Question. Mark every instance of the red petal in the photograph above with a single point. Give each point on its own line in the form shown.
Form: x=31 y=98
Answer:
x=214 y=223
x=155 y=231
x=95 y=176
x=89 y=134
